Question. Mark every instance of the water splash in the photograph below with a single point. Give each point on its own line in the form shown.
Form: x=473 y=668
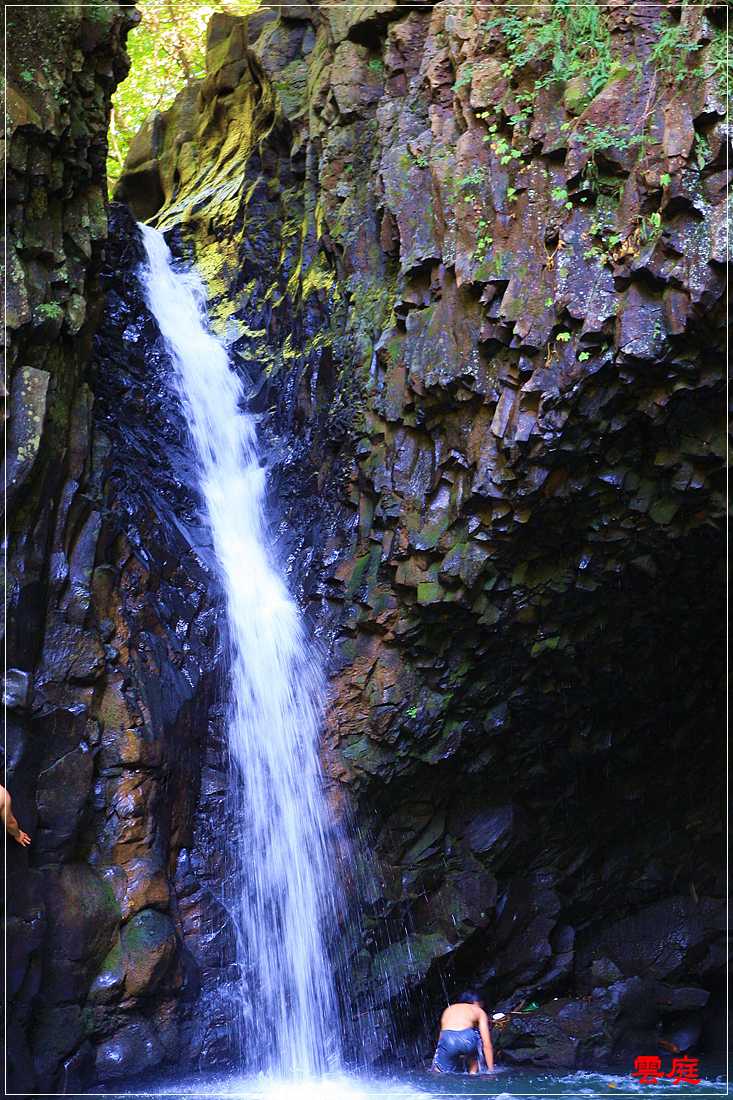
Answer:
x=286 y=889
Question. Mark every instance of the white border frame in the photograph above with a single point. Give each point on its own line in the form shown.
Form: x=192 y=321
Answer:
x=726 y=5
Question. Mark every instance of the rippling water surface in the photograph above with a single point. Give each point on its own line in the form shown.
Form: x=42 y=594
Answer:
x=504 y=1084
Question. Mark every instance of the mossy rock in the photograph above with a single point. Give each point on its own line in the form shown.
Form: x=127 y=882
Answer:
x=578 y=94
x=110 y=981
x=149 y=945
x=58 y=1032
x=406 y=963
x=82 y=918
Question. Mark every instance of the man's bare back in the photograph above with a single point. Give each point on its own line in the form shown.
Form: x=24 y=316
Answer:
x=462 y=1017
x=458 y=1017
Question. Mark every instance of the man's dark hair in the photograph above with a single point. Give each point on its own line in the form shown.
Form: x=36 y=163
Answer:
x=469 y=996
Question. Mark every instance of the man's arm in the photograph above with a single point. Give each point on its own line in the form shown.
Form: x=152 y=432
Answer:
x=483 y=1030
x=8 y=820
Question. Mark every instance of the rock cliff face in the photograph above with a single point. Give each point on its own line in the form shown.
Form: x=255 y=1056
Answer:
x=111 y=614
x=477 y=286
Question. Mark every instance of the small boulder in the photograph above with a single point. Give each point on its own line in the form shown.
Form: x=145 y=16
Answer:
x=491 y=830
x=16 y=689
x=149 y=944
x=605 y=973
x=110 y=981
x=133 y=1049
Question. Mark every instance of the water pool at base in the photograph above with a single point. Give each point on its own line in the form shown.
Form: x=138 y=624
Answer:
x=504 y=1084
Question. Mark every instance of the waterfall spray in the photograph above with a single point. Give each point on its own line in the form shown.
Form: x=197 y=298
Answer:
x=286 y=905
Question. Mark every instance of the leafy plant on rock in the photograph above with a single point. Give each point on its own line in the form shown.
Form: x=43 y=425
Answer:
x=568 y=40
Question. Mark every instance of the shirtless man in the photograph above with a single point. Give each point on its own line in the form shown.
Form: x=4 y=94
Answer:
x=8 y=819
x=459 y=1037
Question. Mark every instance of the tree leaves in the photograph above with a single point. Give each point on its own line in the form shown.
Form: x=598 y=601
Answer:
x=167 y=51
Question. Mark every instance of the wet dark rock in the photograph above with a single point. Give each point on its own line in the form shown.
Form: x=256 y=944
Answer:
x=661 y=940
x=681 y=997
x=108 y=697
x=58 y=1034
x=491 y=830
x=604 y=972
x=82 y=916
x=631 y=1014
x=562 y=1034
x=131 y=1051
x=683 y=1030
x=148 y=945
x=63 y=793
x=16 y=689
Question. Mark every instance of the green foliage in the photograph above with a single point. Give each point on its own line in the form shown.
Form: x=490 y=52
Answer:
x=167 y=51
x=721 y=59
x=703 y=152
x=674 y=52
x=615 y=247
x=649 y=227
x=49 y=310
x=465 y=78
x=596 y=139
x=563 y=40
x=484 y=240
x=570 y=39
x=475 y=178
x=559 y=194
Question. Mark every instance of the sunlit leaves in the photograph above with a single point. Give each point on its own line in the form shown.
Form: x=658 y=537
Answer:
x=166 y=51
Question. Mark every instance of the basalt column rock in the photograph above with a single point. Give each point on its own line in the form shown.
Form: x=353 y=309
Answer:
x=481 y=308
x=63 y=65
x=111 y=636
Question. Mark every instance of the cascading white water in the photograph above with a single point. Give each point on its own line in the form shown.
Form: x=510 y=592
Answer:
x=287 y=997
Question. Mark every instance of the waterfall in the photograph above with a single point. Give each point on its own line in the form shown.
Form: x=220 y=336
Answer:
x=286 y=909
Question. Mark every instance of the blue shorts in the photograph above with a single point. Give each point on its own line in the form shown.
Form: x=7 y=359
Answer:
x=454 y=1045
